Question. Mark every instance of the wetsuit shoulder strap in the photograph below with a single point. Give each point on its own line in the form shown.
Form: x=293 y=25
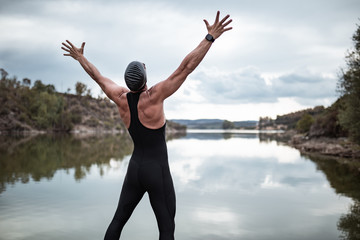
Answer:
x=133 y=100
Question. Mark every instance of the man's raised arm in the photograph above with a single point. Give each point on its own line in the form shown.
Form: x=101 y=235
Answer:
x=111 y=89
x=167 y=87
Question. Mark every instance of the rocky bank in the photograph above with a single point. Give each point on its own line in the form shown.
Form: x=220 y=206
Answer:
x=339 y=147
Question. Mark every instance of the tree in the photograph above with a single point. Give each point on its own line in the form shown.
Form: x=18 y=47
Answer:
x=88 y=93
x=40 y=87
x=80 y=88
x=26 y=82
x=3 y=73
x=304 y=124
x=327 y=124
x=46 y=110
x=349 y=86
x=228 y=125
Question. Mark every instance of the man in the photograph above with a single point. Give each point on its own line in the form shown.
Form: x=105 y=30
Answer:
x=142 y=111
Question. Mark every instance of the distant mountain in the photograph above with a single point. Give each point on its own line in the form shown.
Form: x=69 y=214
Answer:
x=246 y=124
x=200 y=123
x=214 y=123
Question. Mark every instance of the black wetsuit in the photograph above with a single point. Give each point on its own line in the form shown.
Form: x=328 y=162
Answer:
x=148 y=171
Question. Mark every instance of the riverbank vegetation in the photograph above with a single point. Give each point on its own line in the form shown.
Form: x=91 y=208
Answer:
x=41 y=156
x=349 y=86
x=40 y=108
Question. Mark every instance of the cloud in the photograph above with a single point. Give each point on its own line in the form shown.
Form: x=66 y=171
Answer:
x=274 y=38
x=248 y=85
x=304 y=85
x=244 y=85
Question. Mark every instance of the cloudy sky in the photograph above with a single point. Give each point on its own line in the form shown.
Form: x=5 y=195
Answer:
x=281 y=56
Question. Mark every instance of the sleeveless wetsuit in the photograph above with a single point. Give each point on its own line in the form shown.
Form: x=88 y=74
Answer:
x=148 y=171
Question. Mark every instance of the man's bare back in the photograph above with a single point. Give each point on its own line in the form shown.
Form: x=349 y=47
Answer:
x=151 y=115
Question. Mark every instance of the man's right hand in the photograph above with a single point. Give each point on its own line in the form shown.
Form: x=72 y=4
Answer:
x=219 y=27
x=73 y=51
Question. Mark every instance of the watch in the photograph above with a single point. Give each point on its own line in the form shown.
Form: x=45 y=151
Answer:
x=210 y=38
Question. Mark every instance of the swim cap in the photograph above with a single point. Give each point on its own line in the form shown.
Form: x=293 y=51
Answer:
x=135 y=76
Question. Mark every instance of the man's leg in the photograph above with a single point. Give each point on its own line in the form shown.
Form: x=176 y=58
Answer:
x=162 y=199
x=130 y=196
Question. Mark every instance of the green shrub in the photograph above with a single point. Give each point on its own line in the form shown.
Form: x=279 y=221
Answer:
x=304 y=124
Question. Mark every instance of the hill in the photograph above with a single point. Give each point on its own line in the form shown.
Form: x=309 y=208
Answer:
x=215 y=124
x=288 y=121
x=40 y=108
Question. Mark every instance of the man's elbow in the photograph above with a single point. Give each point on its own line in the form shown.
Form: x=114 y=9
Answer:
x=189 y=68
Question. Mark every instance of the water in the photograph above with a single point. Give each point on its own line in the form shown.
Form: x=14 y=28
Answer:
x=228 y=185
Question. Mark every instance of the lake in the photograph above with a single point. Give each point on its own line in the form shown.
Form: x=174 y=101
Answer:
x=229 y=185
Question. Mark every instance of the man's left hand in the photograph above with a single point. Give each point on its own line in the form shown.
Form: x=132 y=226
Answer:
x=73 y=51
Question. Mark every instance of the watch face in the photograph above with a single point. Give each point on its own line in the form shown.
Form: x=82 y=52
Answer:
x=210 y=38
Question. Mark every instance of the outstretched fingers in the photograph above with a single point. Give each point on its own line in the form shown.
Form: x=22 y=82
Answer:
x=72 y=51
x=227 y=23
x=227 y=29
x=206 y=23
x=223 y=23
x=82 y=48
x=67 y=46
x=67 y=50
x=70 y=43
x=217 y=17
x=219 y=26
x=224 y=19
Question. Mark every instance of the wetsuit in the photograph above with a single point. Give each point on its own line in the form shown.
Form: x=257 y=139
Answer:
x=148 y=171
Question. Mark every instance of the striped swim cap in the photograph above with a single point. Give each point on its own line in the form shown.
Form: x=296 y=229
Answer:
x=135 y=76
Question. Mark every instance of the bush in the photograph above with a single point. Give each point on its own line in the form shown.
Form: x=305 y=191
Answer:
x=80 y=88
x=304 y=124
x=75 y=118
x=92 y=122
x=327 y=124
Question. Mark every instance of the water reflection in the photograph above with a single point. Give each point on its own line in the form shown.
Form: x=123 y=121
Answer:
x=39 y=157
x=349 y=224
x=343 y=176
x=244 y=165
x=263 y=135
x=229 y=186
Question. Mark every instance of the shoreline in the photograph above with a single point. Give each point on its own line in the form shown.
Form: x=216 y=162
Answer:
x=336 y=147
